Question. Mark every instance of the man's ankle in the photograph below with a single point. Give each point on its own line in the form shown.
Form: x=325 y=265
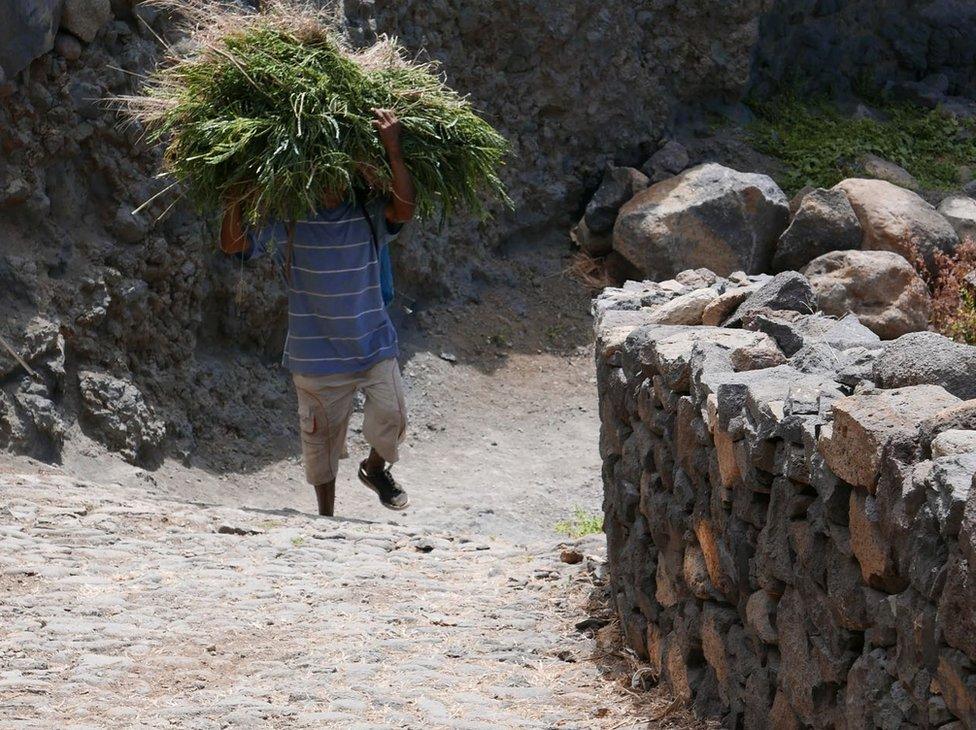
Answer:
x=325 y=496
x=374 y=463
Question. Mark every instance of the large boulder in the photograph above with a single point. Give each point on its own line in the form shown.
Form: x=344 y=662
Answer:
x=824 y=222
x=27 y=30
x=960 y=211
x=895 y=219
x=928 y=358
x=709 y=216
x=880 y=287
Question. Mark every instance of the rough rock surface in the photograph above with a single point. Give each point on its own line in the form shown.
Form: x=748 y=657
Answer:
x=815 y=45
x=927 y=357
x=84 y=18
x=684 y=309
x=952 y=442
x=961 y=416
x=707 y=216
x=619 y=185
x=895 y=219
x=27 y=30
x=823 y=222
x=68 y=47
x=594 y=244
x=671 y=159
x=787 y=291
x=594 y=233
x=757 y=356
x=880 y=287
x=863 y=425
x=795 y=332
x=783 y=551
x=960 y=211
x=720 y=308
x=117 y=409
x=881 y=169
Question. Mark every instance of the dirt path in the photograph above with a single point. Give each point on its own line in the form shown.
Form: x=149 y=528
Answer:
x=503 y=437
x=200 y=595
x=125 y=611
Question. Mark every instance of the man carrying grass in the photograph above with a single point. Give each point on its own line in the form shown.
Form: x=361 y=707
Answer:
x=340 y=337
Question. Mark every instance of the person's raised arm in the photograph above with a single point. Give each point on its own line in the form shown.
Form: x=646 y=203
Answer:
x=232 y=238
x=403 y=201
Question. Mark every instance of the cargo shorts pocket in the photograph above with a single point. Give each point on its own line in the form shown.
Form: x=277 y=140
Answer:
x=307 y=421
x=316 y=453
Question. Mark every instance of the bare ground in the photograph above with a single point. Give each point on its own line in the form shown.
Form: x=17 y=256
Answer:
x=204 y=593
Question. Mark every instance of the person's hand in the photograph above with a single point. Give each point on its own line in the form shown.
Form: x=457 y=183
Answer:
x=388 y=127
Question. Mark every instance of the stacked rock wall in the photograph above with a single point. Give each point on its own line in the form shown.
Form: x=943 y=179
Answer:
x=788 y=504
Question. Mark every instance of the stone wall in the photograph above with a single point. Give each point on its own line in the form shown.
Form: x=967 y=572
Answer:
x=788 y=504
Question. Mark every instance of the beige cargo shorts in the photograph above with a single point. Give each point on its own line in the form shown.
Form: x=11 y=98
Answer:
x=325 y=403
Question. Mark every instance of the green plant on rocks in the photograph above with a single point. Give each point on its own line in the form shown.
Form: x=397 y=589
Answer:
x=821 y=146
x=273 y=109
x=581 y=524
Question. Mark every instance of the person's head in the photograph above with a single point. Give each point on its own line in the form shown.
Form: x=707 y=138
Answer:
x=332 y=198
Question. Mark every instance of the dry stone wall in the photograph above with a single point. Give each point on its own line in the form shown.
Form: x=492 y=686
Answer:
x=789 y=507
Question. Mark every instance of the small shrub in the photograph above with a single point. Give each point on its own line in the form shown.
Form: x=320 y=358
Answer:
x=954 y=294
x=821 y=146
x=581 y=524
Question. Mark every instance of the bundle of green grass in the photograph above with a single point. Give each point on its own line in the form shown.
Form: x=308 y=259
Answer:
x=273 y=109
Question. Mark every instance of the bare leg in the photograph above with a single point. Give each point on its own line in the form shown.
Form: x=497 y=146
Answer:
x=325 y=494
x=374 y=463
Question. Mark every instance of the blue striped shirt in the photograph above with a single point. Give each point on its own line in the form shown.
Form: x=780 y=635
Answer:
x=336 y=319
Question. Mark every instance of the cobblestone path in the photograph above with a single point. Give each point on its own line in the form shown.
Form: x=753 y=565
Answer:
x=120 y=611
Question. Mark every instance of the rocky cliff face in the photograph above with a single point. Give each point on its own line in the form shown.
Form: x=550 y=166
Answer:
x=574 y=85
x=919 y=50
